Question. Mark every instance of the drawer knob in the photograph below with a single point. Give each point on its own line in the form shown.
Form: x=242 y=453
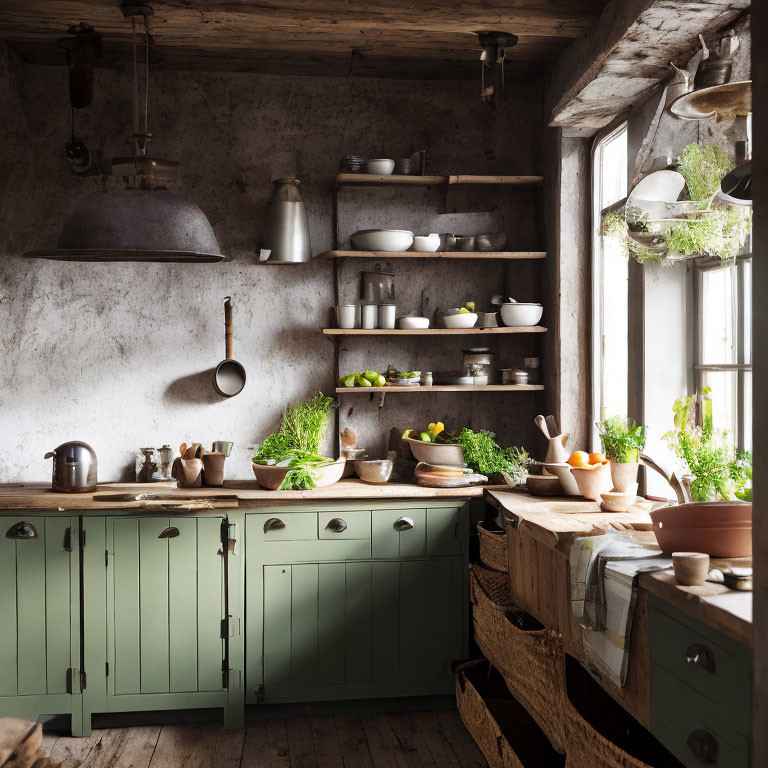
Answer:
x=273 y=524
x=702 y=656
x=704 y=746
x=403 y=524
x=22 y=531
x=337 y=525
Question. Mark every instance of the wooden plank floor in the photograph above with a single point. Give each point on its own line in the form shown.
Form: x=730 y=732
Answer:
x=369 y=740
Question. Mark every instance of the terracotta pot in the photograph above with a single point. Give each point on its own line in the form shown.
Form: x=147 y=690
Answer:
x=213 y=466
x=716 y=528
x=189 y=472
x=592 y=482
x=624 y=476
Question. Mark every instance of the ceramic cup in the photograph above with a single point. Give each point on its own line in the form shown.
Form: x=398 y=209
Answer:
x=222 y=446
x=346 y=315
x=691 y=568
x=624 y=476
x=213 y=466
x=189 y=472
x=488 y=320
x=387 y=315
x=369 y=315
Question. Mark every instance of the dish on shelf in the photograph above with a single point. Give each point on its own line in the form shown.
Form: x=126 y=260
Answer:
x=459 y=320
x=382 y=240
x=462 y=243
x=380 y=167
x=426 y=243
x=411 y=323
x=521 y=313
x=494 y=242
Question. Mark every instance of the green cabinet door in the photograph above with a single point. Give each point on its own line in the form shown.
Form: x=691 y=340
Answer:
x=165 y=606
x=40 y=617
x=360 y=629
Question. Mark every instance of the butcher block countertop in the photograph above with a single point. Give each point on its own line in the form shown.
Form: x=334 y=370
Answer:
x=556 y=522
x=244 y=493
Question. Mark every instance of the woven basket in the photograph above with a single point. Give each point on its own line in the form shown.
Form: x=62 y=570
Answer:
x=529 y=656
x=601 y=734
x=506 y=734
x=493 y=548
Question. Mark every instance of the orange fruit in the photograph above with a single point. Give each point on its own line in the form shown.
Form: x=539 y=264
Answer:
x=579 y=459
x=597 y=458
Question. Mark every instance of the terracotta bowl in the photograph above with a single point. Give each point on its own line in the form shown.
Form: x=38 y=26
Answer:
x=594 y=482
x=271 y=477
x=716 y=528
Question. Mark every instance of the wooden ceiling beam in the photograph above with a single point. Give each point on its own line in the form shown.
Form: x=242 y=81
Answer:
x=626 y=54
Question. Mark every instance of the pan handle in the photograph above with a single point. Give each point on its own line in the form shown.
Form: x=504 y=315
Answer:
x=228 y=329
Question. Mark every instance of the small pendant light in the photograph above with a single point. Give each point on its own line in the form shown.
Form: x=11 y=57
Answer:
x=143 y=221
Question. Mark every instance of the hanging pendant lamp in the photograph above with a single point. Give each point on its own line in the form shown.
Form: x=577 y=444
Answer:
x=143 y=221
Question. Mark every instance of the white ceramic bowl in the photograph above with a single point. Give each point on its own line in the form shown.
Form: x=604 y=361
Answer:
x=374 y=471
x=521 y=314
x=380 y=167
x=568 y=483
x=409 y=323
x=382 y=240
x=436 y=453
x=461 y=320
x=270 y=476
x=426 y=244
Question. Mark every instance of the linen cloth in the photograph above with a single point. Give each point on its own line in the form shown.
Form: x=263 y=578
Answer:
x=603 y=593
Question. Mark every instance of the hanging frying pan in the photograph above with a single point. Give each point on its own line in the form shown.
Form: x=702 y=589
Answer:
x=229 y=378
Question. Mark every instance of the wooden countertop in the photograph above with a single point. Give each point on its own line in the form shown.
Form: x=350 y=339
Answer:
x=556 y=522
x=245 y=493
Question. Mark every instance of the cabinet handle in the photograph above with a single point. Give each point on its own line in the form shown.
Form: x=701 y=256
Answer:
x=169 y=533
x=704 y=746
x=403 y=524
x=273 y=524
x=337 y=525
x=22 y=530
x=701 y=655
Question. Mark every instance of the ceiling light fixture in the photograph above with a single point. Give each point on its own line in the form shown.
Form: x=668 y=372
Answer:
x=494 y=45
x=143 y=221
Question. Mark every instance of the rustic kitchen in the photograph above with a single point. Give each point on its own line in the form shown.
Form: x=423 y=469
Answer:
x=377 y=384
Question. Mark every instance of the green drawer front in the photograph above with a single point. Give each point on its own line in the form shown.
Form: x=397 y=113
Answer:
x=284 y=526
x=357 y=522
x=443 y=534
x=399 y=533
x=35 y=600
x=680 y=715
x=699 y=659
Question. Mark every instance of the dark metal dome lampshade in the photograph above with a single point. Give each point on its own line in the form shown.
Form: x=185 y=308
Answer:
x=144 y=221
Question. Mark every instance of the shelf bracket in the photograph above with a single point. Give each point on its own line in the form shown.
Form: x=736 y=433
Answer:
x=381 y=395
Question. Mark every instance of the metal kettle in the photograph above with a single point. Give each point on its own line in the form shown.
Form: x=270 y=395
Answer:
x=74 y=467
x=286 y=226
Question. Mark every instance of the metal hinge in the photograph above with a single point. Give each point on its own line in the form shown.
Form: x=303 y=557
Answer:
x=67 y=540
x=230 y=626
x=261 y=696
x=224 y=675
x=82 y=538
x=230 y=532
x=75 y=680
x=106 y=558
x=106 y=668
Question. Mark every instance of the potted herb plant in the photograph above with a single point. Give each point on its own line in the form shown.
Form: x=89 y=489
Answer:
x=622 y=441
x=715 y=513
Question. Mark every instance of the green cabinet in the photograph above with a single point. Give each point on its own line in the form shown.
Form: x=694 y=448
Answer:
x=39 y=617
x=378 y=613
x=155 y=613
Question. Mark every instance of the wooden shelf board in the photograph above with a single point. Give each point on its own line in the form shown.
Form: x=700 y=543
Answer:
x=432 y=331
x=477 y=255
x=518 y=181
x=441 y=388
x=392 y=178
x=431 y=181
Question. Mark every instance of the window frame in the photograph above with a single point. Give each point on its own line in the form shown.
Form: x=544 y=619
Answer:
x=740 y=367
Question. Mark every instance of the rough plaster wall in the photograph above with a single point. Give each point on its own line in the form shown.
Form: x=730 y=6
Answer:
x=121 y=355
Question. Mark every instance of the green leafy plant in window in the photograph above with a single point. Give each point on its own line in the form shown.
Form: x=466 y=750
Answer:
x=718 y=471
x=622 y=439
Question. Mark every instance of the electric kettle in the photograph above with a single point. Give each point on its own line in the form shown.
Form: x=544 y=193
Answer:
x=74 y=467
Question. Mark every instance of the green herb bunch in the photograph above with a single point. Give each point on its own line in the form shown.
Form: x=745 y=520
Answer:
x=484 y=455
x=622 y=439
x=297 y=444
x=717 y=470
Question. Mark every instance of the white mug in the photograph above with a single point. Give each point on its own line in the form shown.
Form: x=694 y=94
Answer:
x=387 y=315
x=369 y=313
x=346 y=315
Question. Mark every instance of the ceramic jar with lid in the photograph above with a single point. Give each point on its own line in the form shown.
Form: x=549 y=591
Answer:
x=482 y=356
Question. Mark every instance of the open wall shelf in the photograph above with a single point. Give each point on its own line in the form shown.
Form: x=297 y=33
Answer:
x=394 y=390
x=471 y=255
x=431 y=181
x=432 y=331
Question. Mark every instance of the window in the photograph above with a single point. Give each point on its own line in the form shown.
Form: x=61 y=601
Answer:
x=723 y=348
x=610 y=274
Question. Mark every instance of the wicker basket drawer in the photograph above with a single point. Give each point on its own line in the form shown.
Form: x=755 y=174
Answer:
x=506 y=734
x=601 y=734
x=528 y=656
x=493 y=548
